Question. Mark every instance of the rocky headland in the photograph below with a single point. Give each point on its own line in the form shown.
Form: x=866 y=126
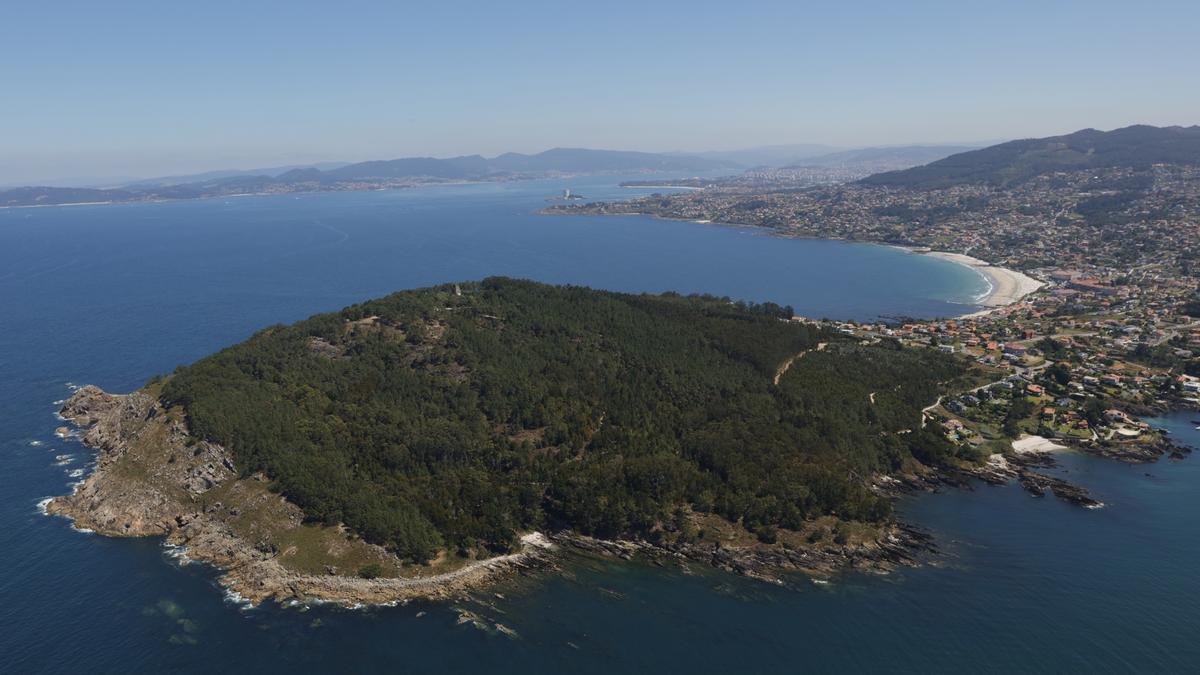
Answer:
x=153 y=478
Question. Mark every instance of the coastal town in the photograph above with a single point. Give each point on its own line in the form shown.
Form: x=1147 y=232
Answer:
x=1079 y=380
x=1092 y=321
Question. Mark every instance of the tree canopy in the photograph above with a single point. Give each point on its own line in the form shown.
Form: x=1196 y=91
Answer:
x=459 y=415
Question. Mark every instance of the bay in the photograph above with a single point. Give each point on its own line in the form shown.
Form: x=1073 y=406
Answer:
x=112 y=295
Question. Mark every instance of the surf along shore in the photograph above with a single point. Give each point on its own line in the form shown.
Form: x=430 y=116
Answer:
x=1006 y=286
x=153 y=478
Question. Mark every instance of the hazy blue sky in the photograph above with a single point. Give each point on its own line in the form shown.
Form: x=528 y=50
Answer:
x=142 y=88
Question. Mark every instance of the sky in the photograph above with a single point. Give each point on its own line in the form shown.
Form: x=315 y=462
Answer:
x=100 y=90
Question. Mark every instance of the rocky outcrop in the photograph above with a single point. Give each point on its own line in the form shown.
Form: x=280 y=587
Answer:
x=1134 y=452
x=153 y=478
x=149 y=471
x=900 y=546
x=999 y=469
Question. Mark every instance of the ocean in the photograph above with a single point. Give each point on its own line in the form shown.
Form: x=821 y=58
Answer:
x=112 y=295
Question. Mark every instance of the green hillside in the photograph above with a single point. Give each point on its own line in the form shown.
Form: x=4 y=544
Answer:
x=1136 y=148
x=455 y=417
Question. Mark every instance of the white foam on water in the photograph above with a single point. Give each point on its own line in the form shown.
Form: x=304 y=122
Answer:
x=234 y=598
x=41 y=506
x=315 y=602
x=177 y=553
x=36 y=443
x=76 y=473
x=979 y=298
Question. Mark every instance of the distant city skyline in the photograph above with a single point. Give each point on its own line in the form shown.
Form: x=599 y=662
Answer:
x=140 y=89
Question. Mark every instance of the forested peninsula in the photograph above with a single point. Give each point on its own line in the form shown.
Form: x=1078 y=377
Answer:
x=422 y=442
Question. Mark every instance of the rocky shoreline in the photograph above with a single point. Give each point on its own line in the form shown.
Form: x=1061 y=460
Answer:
x=153 y=479
x=129 y=496
x=1022 y=467
x=901 y=546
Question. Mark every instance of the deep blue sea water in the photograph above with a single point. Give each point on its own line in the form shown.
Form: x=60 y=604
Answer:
x=114 y=294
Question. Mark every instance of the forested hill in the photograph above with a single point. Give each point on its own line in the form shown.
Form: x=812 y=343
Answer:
x=458 y=416
x=1136 y=148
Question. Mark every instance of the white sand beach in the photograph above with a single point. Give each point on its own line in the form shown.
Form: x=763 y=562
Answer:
x=1007 y=286
x=1027 y=444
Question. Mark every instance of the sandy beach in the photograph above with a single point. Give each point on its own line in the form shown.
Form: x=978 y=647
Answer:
x=1008 y=286
x=1027 y=444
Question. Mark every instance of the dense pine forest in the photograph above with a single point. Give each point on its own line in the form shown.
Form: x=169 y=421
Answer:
x=457 y=416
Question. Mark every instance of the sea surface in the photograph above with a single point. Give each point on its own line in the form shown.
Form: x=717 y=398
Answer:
x=112 y=295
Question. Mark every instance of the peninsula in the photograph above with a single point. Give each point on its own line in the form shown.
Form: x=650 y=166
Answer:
x=423 y=443
x=420 y=444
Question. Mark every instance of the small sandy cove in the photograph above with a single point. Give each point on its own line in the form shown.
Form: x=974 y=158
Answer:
x=1026 y=444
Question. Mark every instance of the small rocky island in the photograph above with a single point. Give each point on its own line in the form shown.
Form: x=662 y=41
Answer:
x=424 y=443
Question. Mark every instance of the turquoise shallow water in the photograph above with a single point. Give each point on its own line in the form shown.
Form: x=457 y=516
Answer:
x=111 y=295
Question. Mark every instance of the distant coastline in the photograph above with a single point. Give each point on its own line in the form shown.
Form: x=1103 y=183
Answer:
x=372 y=175
x=1006 y=286
x=661 y=187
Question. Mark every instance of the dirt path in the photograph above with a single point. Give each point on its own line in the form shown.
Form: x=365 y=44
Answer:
x=783 y=367
x=928 y=409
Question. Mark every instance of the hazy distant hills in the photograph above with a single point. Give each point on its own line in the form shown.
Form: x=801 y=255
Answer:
x=574 y=159
x=558 y=160
x=379 y=173
x=222 y=174
x=1135 y=147
x=769 y=155
x=883 y=158
x=32 y=196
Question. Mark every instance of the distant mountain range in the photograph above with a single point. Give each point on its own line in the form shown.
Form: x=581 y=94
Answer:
x=769 y=155
x=883 y=159
x=1134 y=147
x=558 y=160
x=224 y=173
x=363 y=175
